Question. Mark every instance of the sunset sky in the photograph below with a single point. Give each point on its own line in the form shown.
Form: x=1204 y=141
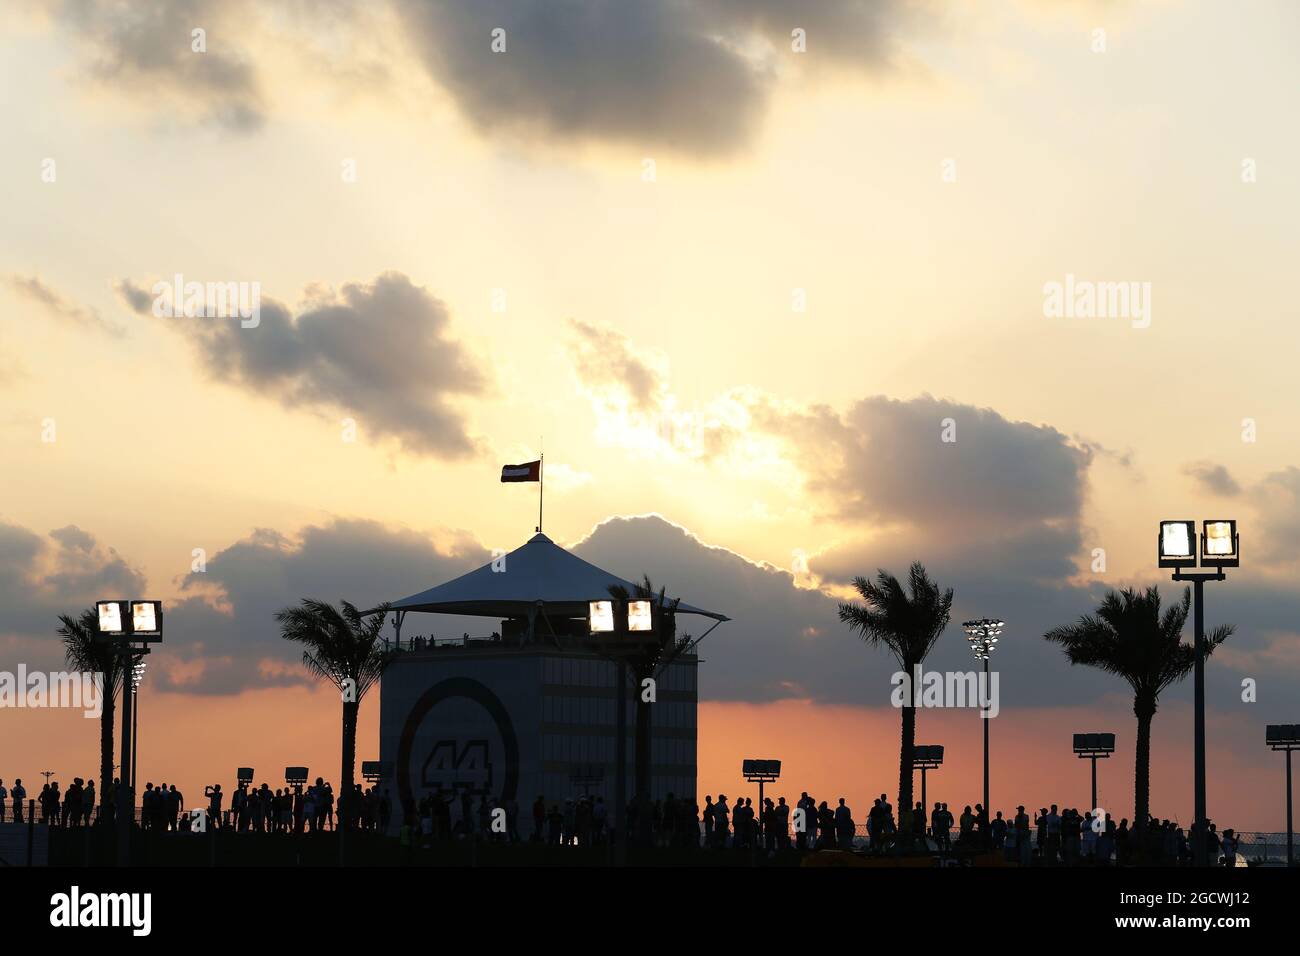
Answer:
x=736 y=289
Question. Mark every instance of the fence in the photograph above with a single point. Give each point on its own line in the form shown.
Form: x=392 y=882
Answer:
x=1256 y=846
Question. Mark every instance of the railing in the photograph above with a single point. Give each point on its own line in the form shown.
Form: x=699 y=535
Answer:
x=1256 y=846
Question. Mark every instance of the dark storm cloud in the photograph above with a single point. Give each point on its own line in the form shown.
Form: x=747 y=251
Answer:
x=690 y=76
x=55 y=304
x=379 y=352
x=787 y=642
x=42 y=577
x=359 y=561
x=146 y=48
x=886 y=461
x=782 y=641
x=1213 y=478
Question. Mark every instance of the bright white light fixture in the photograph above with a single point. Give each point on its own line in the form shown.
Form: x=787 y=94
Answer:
x=1177 y=544
x=601 y=616
x=144 y=616
x=638 y=616
x=983 y=635
x=1219 y=543
x=110 y=617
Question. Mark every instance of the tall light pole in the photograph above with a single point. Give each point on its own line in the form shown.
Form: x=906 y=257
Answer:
x=1285 y=737
x=983 y=637
x=1094 y=747
x=136 y=676
x=616 y=628
x=123 y=623
x=1220 y=548
x=926 y=757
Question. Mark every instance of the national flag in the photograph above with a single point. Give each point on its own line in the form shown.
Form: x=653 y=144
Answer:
x=528 y=471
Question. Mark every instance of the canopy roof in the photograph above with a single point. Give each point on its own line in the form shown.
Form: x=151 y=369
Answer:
x=538 y=572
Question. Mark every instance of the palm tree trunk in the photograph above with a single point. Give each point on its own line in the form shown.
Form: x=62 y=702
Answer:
x=641 y=771
x=905 y=759
x=1145 y=710
x=106 y=745
x=348 y=772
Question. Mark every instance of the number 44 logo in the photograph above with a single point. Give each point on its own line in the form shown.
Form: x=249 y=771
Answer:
x=451 y=767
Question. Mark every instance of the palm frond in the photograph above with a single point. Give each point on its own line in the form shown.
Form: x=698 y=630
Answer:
x=341 y=643
x=906 y=621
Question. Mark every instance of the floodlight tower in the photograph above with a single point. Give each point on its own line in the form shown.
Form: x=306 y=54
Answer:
x=124 y=623
x=761 y=772
x=1094 y=747
x=1220 y=548
x=927 y=757
x=1285 y=737
x=619 y=631
x=983 y=637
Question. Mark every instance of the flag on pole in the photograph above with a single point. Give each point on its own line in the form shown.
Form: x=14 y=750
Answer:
x=528 y=471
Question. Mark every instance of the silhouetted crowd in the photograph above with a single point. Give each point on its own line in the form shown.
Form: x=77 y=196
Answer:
x=1050 y=837
x=261 y=809
x=73 y=807
x=301 y=808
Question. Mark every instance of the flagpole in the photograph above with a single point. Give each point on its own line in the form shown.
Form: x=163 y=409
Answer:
x=541 y=489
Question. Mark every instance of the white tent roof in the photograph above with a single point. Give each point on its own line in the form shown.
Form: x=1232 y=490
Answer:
x=540 y=571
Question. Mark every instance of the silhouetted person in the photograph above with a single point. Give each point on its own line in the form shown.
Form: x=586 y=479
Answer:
x=825 y=827
x=721 y=825
x=1229 y=847
x=49 y=801
x=539 y=818
x=998 y=832
x=72 y=803
x=844 y=825
x=1022 y=836
x=213 y=793
x=918 y=826
x=19 y=795
x=1053 y=833
x=939 y=827
x=172 y=805
x=810 y=819
x=782 y=824
x=1040 y=827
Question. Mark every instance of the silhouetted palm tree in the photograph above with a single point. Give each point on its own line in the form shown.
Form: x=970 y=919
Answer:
x=1128 y=636
x=648 y=663
x=85 y=651
x=908 y=624
x=344 y=648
